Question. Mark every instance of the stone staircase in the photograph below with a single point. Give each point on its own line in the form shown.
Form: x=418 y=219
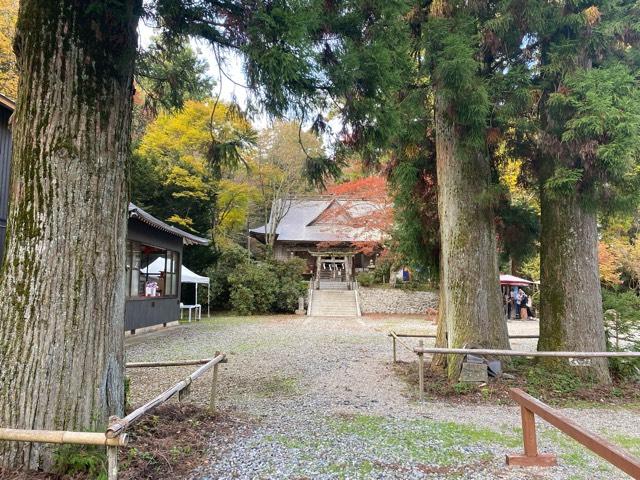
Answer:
x=334 y=303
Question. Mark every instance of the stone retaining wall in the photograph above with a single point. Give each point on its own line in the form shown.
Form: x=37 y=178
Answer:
x=390 y=300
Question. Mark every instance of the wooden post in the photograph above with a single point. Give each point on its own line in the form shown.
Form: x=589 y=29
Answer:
x=531 y=458
x=529 y=432
x=214 y=386
x=421 y=372
x=393 y=337
x=112 y=463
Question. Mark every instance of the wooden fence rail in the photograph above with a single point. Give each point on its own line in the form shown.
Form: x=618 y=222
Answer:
x=420 y=350
x=395 y=336
x=115 y=437
x=58 y=436
x=119 y=425
x=177 y=363
x=520 y=353
x=531 y=406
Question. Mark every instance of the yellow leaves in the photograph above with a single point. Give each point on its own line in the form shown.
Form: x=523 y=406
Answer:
x=411 y=151
x=183 y=222
x=8 y=70
x=509 y=174
x=190 y=131
x=592 y=15
x=176 y=145
x=233 y=203
x=188 y=184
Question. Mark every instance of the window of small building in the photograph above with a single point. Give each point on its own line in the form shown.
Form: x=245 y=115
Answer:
x=150 y=271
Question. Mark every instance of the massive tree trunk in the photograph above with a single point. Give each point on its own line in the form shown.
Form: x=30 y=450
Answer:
x=571 y=316
x=62 y=284
x=469 y=280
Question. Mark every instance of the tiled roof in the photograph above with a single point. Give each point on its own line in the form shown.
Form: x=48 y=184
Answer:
x=328 y=220
x=188 y=238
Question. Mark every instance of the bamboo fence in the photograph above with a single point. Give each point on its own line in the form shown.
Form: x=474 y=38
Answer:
x=115 y=435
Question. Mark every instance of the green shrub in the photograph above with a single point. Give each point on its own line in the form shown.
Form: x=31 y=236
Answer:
x=622 y=322
x=264 y=287
x=366 y=279
x=253 y=288
x=230 y=259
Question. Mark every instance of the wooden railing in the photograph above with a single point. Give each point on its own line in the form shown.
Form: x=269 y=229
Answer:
x=531 y=406
x=420 y=350
x=395 y=336
x=115 y=435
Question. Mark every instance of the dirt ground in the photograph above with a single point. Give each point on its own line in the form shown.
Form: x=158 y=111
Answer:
x=307 y=397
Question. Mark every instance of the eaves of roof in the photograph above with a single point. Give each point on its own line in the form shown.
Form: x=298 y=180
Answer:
x=7 y=103
x=187 y=238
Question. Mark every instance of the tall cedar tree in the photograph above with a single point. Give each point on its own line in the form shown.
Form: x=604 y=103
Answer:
x=444 y=74
x=470 y=309
x=582 y=61
x=62 y=279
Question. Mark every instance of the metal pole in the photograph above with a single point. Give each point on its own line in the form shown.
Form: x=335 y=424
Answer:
x=214 y=387
x=421 y=372
x=112 y=463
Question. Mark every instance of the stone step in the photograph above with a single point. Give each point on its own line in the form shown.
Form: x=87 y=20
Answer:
x=334 y=303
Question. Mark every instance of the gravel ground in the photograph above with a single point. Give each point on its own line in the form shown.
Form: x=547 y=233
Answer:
x=317 y=398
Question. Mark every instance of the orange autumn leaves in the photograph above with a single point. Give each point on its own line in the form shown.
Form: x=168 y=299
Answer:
x=619 y=262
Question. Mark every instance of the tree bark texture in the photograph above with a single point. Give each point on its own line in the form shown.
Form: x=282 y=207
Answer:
x=438 y=362
x=571 y=317
x=469 y=280
x=62 y=283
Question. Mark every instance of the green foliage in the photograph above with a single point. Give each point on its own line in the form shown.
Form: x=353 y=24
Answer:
x=366 y=279
x=75 y=460
x=169 y=74
x=622 y=322
x=231 y=258
x=542 y=378
x=518 y=227
x=451 y=48
x=416 y=232
x=174 y=176
x=253 y=289
x=563 y=181
x=263 y=287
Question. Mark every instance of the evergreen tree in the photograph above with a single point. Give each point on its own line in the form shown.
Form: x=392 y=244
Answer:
x=61 y=329
x=582 y=62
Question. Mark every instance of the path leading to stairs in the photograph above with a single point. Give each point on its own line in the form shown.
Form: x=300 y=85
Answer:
x=317 y=398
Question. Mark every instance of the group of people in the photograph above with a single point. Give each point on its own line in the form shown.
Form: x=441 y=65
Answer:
x=517 y=304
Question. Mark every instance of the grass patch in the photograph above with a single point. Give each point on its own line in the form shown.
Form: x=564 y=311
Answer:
x=425 y=441
x=631 y=444
x=277 y=386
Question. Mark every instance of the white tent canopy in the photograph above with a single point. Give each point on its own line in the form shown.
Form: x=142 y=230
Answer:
x=186 y=276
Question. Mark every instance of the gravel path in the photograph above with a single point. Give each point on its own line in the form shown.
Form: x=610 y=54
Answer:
x=317 y=398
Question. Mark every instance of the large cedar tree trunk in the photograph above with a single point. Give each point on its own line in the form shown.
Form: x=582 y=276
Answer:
x=470 y=297
x=62 y=284
x=571 y=316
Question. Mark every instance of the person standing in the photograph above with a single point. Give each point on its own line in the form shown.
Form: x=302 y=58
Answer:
x=523 y=304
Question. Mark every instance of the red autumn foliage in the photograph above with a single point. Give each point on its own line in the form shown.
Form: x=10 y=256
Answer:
x=367 y=188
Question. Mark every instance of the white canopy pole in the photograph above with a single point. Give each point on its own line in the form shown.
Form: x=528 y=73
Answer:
x=208 y=300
